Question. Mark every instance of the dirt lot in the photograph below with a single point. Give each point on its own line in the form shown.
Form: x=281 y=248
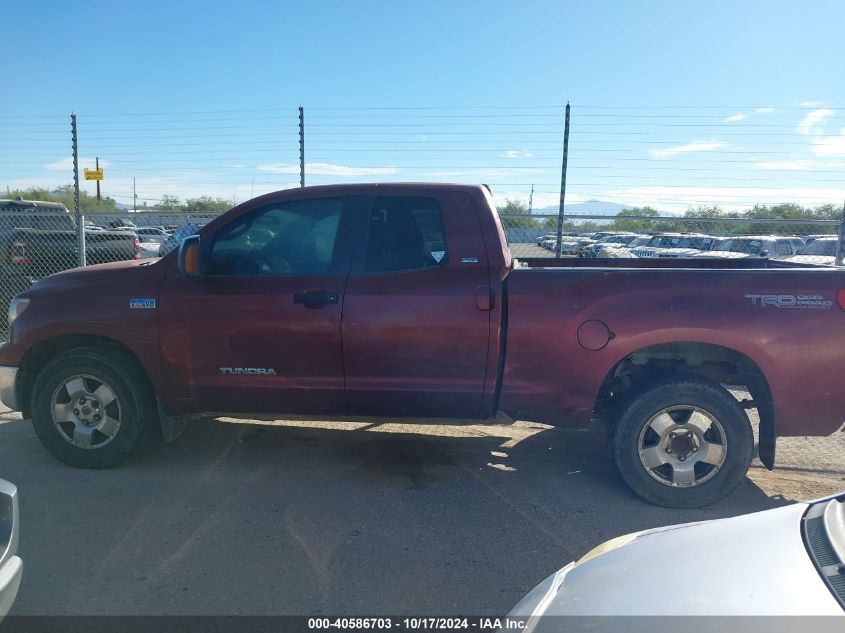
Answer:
x=296 y=518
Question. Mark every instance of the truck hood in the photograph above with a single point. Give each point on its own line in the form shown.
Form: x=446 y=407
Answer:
x=89 y=274
x=755 y=564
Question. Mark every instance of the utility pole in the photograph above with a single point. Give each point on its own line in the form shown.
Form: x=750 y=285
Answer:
x=840 y=247
x=97 y=167
x=80 y=220
x=562 y=183
x=531 y=200
x=301 y=146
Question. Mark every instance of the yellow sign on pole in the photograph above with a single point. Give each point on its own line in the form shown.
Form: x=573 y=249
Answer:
x=94 y=174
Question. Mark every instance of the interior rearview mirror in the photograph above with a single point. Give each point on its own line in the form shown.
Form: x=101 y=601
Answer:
x=189 y=257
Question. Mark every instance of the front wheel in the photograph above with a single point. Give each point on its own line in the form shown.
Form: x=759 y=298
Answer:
x=683 y=443
x=92 y=408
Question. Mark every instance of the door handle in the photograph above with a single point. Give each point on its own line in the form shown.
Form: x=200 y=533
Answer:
x=315 y=298
x=484 y=298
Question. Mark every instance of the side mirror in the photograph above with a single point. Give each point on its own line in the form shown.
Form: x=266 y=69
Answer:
x=189 y=257
x=764 y=253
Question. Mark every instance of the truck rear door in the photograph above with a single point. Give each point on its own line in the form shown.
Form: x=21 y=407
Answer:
x=416 y=311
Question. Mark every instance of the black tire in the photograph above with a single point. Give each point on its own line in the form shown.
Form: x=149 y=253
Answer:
x=734 y=439
x=133 y=395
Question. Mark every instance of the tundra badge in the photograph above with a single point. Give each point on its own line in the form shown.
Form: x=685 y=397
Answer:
x=248 y=371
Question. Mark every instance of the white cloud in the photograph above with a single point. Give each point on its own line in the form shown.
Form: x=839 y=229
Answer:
x=695 y=146
x=830 y=145
x=481 y=174
x=792 y=165
x=765 y=110
x=328 y=169
x=805 y=126
x=739 y=116
x=810 y=104
x=517 y=153
x=66 y=164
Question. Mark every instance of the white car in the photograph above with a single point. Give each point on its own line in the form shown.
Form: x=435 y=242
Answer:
x=675 y=245
x=821 y=252
x=771 y=246
x=11 y=566
x=786 y=561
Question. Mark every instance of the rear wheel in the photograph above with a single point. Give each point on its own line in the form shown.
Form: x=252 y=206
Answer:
x=92 y=408
x=682 y=443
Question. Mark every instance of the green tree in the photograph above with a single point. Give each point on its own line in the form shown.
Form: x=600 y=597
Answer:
x=511 y=213
x=64 y=195
x=635 y=220
x=207 y=204
x=169 y=203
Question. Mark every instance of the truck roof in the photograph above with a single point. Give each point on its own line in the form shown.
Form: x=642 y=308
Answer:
x=32 y=204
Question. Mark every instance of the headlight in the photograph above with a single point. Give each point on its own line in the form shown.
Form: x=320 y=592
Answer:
x=16 y=308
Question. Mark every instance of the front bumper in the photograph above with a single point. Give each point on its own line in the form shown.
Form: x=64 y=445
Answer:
x=11 y=566
x=8 y=376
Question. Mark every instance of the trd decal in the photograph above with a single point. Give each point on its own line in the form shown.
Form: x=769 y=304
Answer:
x=248 y=371
x=791 y=301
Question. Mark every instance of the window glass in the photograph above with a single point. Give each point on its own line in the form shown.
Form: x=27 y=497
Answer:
x=782 y=247
x=290 y=238
x=820 y=247
x=405 y=234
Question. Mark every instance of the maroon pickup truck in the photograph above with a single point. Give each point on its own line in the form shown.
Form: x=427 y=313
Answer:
x=403 y=301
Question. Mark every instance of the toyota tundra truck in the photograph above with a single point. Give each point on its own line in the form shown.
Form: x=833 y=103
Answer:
x=403 y=302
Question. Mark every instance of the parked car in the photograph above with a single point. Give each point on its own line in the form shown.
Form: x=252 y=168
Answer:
x=789 y=561
x=395 y=300
x=773 y=247
x=38 y=239
x=675 y=245
x=618 y=239
x=151 y=234
x=11 y=566
x=821 y=251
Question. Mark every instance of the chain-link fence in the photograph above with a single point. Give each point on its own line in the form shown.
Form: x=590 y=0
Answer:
x=799 y=241
x=38 y=239
x=639 y=181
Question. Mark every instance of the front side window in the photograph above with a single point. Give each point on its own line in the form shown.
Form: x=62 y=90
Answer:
x=405 y=234
x=289 y=238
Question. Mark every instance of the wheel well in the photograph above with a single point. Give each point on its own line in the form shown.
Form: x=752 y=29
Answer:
x=39 y=355
x=711 y=362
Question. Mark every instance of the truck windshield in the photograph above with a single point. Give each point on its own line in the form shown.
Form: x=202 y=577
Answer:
x=751 y=247
x=825 y=248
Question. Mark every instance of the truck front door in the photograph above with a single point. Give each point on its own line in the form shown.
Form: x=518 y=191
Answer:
x=416 y=313
x=259 y=332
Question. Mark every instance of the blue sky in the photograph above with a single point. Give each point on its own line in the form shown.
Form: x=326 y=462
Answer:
x=674 y=103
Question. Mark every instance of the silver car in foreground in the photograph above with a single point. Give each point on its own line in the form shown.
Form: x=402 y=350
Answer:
x=11 y=567
x=786 y=561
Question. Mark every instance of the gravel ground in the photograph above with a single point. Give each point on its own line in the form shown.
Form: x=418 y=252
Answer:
x=309 y=518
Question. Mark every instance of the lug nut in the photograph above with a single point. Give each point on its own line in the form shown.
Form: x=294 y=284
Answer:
x=668 y=450
x=682 y=458
x=673 y=435
x=76 y=412
x=97 y=417
x=694 y=449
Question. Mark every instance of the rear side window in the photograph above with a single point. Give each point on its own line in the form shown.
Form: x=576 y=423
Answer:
x=290 y=238
x=782 y=247
x=405 y=234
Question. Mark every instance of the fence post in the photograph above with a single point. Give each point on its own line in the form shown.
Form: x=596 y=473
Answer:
x=301 y=146
x=840 y=245
x=80 y=219
x=562 y=183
